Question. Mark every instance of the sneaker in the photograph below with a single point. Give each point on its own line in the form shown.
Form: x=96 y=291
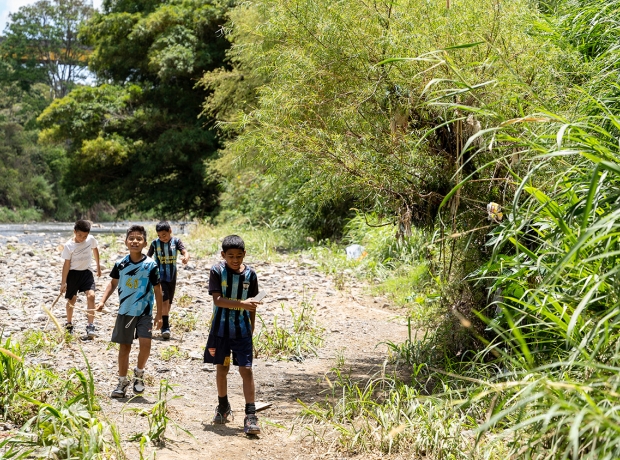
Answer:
x=121 y=389
x=90 y=331
x=250 y=424
x=165 y=334
x=220 y=419
x=69 y=328
x=138 y=381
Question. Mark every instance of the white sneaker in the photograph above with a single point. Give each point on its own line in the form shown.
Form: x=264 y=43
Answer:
x=121 y=389
x=138 y=381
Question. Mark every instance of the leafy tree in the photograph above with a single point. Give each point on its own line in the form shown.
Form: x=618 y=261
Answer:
x=41 y=42
x=24 y=170
x=362 y=102
x=138 y=140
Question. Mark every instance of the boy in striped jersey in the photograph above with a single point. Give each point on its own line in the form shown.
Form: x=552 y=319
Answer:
x=164 y=251
x=232 y=285
x=137 y=279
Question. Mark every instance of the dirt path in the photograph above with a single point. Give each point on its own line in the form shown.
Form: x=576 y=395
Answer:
x=354 y=325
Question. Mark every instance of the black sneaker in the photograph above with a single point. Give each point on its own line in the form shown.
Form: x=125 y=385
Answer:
x=69 y=328
x=220 y=419
x=121 y=389
x=138 y=381
x=250 y=424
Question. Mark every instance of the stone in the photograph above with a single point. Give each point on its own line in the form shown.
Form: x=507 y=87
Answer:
x=196 y=355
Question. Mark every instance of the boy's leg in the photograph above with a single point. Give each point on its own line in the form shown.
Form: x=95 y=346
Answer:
x=242 y=356
x=143 y=356
x=123 y=359
x=165 y=308
x=69 y=308
x=123 y=364
x=223 y=411
x=90 y=301
x=249 y=390
x=221 y=379
x=144 y=352
x=167 y=296
x=165 y=325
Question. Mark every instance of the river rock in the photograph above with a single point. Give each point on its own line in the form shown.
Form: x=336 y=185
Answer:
x=196 y=355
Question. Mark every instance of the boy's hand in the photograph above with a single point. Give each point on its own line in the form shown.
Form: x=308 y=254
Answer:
x=63 y=288
x=98 y=271
x=185 y=258
x=249 y=305
x=100 y=306
x=157 y=322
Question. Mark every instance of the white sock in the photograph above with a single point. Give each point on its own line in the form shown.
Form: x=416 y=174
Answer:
x=122 y=378
x=139 y=370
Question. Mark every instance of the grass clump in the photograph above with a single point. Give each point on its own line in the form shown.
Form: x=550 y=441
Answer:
x=386 y=415
x=58 y=414
x=185 y=321
x=158 y=418
x=35 y=342
x=292 y=338
x=172 y=352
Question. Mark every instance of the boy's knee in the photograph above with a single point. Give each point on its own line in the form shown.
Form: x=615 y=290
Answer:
x=90 y=295
x=246 y=371
x=220 y=368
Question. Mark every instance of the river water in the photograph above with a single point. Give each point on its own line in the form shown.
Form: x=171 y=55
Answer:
x=39 y=232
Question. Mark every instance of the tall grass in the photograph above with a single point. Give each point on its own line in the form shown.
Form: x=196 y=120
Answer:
x=58 y=415
x=290 y=338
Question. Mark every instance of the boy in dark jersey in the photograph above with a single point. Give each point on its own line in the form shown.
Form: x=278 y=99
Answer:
x=232 y=285
x=164 y=251
x=137 y=279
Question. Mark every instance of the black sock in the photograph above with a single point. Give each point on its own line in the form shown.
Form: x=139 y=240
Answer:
x=250 y=408
x=222 y=403
x=164 y=324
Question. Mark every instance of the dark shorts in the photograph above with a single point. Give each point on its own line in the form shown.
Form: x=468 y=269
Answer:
x=128 y=328
x=167 y=289
x=79 y=281
x=241 y=351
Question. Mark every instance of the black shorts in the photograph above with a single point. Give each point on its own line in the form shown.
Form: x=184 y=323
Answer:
x=167 y=289
x=241 y=351
x=128 y=328
x=79 y=281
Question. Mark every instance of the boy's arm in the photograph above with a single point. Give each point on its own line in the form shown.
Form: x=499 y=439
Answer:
x=110 y=288
x=183 y=251
x=96 y=254
x=223 y=302
x=159 y=302
x=63 y=278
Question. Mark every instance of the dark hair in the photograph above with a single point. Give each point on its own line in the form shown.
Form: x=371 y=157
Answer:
x=136 y=228
x=82 y=226
x=163 y=226
x=233 y=242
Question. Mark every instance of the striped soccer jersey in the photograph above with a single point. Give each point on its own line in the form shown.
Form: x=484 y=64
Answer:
x=228 y=322
x=165 y=255
x=135 y=285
